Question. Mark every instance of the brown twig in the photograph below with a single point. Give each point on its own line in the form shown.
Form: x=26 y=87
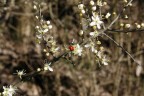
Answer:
x=125 y=31
x=110 y=25
x=118 y=45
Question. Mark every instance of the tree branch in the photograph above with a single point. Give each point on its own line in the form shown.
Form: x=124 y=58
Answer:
x=125 y=31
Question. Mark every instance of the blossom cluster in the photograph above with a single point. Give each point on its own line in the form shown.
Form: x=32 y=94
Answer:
x=44 y=37
x=9 y=91
x=90 y=28
x=92 y=21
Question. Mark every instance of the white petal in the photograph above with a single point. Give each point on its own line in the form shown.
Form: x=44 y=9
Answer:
x=87 y=45
x=93 y=18
x=92 y=23
x=50 y=68
x=105 y=63
x=50 y=26
x=39 y=36
x=92 y=49
x=46 y=30
x=98 y=26
x=92 y=33
x=57 y=49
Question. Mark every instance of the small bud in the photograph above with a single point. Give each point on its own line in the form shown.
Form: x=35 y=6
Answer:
x=126 y=17
x=50 y=26
x=37 y=27
x=94 y=27
x=94 y=8
x=83 y=11
x=104 y=3
x=101 y=48
x=127 y=26
x=35 y=7
x=121 y=24
x=114 y=13
x=98 y=42
x=81 y=33
x=130 y=4
x=48 y=22
x=37 y=17
x=107 y=15
x=92 y=2
x=47 y=54
x=81 y=6
x=125 y=1
x=44 y=50
x=138 y=26
x=38 y=69
x=142 y=24
x=95 y=51
x=45 y=68
x=81 y=14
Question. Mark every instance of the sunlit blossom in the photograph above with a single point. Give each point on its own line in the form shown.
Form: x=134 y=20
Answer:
x=94 y=34
x=20 y=73
x=96 y=21
x=91 y=45
x=48 y=67
x=9 y=91
x=78 y=50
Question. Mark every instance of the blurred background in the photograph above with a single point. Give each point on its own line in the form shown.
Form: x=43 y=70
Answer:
x=19 y=50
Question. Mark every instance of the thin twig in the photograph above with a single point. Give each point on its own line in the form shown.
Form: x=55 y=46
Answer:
x=125 y=31
x=108 y=28
x=123 y=9
x=118 y=45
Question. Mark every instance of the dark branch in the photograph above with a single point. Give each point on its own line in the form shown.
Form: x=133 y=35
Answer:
x=125 y=31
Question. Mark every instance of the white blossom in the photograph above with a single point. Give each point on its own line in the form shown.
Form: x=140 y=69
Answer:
x=99 y=54
x=20 y=73
x=103 y=58
x=77 y=50
x=94 y=34
x=96 y=21
x=47 y=67
x=81 y=6
x=54 y=49
x=99 y=3
x=9 y=91
x=105 y=61
x=91 y=45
